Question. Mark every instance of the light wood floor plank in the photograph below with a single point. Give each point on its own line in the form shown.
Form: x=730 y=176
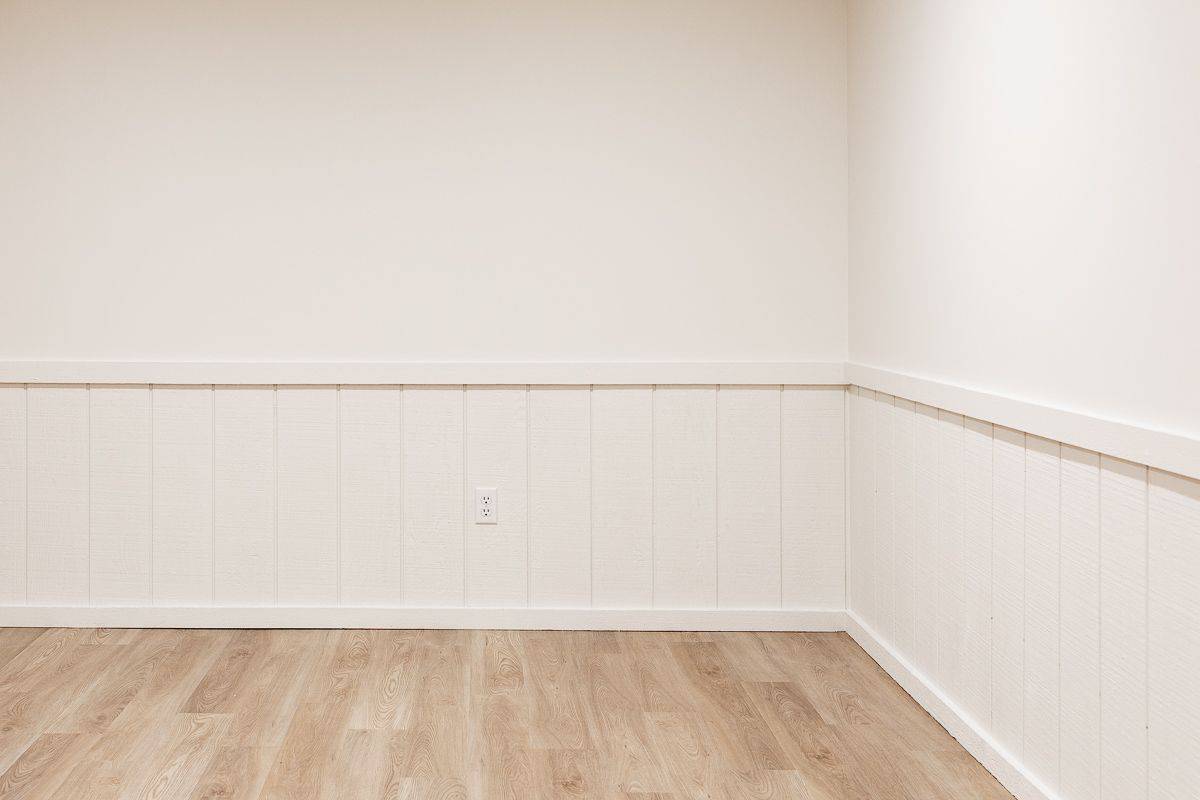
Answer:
x=464 y=715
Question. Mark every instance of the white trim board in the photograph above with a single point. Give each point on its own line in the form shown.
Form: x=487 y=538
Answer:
x=815 y=620
x=831 y=373
x=1006 y=768
x=1159 y=449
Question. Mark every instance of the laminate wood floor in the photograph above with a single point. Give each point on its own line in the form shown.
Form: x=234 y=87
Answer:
x=191 y=714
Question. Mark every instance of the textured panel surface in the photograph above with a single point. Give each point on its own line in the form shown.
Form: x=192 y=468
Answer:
x=749 y=495
x=244 y=491
x=622 y=562
x=560 y=491
x=1123 y=640
x=432 y=563
x=370 y=484
x=1174 y=702
x=120 y=495
x=685 y=497
x=307 y=481
x=12 y=495
x=182 y=547
x=814 y=497
x=58 y=489
x=497 y=457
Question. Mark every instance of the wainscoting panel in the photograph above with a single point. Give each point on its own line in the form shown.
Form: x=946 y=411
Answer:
x=560 y=492
x=245 y=496
x=120 y=495
x=698 y=497
x=1060 y=644
x=12 y=495
x=57 y=536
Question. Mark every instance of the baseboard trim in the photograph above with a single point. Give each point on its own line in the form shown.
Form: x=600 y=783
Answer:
x=1163 y=450
x=816 y=620
x=426 y=373
x=1007 y=769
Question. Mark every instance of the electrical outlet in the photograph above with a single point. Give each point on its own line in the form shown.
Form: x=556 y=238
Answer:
x=487 y=505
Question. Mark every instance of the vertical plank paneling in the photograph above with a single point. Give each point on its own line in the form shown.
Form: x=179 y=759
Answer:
x=433 y=560
x=1123 y=701
x=307 y=475
x=1079 y=626
x=369 y=481
x=58 y=495
x=182 y=546
x=685 y=496
x=749 y=533
x=560 y=490
x=497 y=555
x=926 y=516
x=862 y=503
x=883 y=555
x=951 y=608
x=244 y=494
x=121 y=505
x=622 y=565
x=1008 y=588
x=1174 y=702
x=12 y=495
x=1041 y=608
x=977 y=570
x=814 y=497
x=905 y=527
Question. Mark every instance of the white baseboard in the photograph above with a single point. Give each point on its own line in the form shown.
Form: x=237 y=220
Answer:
x=1007 y=769
x=816 y=620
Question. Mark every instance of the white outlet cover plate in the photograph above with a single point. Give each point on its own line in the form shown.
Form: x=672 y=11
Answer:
x=487 y=505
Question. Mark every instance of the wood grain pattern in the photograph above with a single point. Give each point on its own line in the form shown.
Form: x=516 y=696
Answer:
x=12 y=495
x=371 y=715
x=560 y=489
x=685 y=497
x=369 y=483
x=182 y=495
x=622 y=499
x=814 y=497
x=306 y=475
x=120 y=495
x=244 y=496
x=58 y=495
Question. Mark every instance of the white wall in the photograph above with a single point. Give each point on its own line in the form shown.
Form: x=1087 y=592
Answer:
x=371 y=180
x=1038 y=598
x=610 y=497
x=1024 y=185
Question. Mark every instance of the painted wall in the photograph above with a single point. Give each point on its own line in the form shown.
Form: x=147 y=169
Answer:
x=371 y=180
x=1046 y=592
x=610 y=497
x=1024 y=182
